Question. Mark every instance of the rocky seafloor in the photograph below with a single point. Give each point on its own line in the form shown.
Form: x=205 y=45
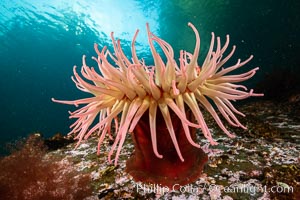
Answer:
x=262 y=162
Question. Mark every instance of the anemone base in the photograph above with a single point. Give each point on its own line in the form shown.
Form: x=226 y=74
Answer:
x=168 y=171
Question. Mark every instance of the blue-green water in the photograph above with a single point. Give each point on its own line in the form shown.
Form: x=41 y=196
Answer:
x=40 y=42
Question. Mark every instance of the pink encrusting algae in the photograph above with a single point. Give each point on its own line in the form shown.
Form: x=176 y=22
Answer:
x=130 y=88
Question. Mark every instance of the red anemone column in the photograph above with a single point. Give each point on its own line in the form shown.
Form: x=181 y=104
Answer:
x=144 y=166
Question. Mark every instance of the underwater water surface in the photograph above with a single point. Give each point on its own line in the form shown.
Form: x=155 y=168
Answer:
x=41 y=41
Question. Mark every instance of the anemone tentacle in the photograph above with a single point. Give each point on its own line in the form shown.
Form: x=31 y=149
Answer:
x=130 y=88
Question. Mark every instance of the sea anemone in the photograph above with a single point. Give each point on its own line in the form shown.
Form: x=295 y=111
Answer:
x=149 y=101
